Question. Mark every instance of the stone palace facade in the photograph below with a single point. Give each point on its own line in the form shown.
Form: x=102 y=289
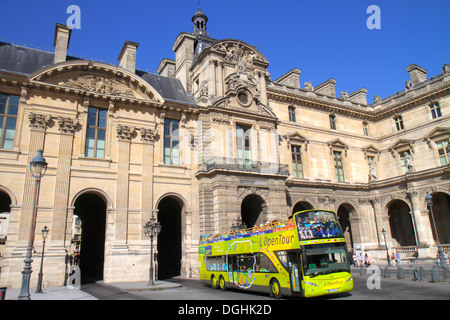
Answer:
x=207 y=141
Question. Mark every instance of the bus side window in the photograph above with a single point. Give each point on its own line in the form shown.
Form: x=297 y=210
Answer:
x=264 y=264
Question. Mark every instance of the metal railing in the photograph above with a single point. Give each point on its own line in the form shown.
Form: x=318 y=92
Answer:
x=233 y=164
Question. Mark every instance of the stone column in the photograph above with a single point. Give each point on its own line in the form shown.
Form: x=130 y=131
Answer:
x=38 y=125
x=148 y=136
x=220 y=83
x=124 y=134
x=59 y=222
x=212 y=79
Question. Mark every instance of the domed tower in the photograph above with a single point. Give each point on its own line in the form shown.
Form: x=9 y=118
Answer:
x=200 y=19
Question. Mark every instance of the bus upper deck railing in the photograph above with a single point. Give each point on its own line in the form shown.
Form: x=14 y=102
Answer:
x=273 y=226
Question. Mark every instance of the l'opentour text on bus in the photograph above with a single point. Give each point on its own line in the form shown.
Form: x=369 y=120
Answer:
x=304 y=256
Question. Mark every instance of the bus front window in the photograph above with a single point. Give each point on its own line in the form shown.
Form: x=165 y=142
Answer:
x=325 y=258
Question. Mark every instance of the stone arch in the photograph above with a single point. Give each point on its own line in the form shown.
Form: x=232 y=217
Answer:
x=253 y=210
x=171 y=209
x=83 y=76
x=102 y=194
x=347 y=216
x=90 y=206
x=441 y=216
x=401 y=223
x=11 y=194
x=300 y=205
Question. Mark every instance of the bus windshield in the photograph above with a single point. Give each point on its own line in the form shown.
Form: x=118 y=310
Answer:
x=325 y=258
x=317 y=224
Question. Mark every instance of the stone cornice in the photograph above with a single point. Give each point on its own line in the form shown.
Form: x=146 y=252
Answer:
x=347 y=108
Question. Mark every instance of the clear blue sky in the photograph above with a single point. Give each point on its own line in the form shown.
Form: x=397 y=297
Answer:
x=323 y=38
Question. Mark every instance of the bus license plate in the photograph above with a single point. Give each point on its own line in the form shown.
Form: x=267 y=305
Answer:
x=333 y=290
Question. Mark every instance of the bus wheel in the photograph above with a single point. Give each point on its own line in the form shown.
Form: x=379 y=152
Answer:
x=275 y=289
x=214 y=282
x=222 y=283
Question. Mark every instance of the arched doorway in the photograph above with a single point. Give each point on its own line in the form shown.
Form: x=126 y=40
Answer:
x=441 y=214
x=91 y=209
x=343 y=214
x=169 y=239
x=401 y=224
x=253 y=209
x=5 y=209
x=302 y=205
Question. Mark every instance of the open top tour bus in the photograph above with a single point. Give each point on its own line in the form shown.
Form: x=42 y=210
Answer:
x=305 y=256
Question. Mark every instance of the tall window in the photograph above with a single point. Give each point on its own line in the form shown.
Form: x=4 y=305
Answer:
x=435 y=110
x=338 y=166
x=96 y=133
x=333 y=121
x=365 y=128
x=243 y=145
x=9 y=105
x=443 y=152
x=171 y=142
x=297 y=161
x=292 y=114
x=399 y=123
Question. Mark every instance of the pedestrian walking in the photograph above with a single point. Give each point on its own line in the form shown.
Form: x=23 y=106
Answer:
x=397 y=257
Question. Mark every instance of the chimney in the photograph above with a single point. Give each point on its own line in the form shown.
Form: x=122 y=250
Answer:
x=61 y=42
x=290 y=79
x=417 y=74
x=327 y=88
x=127 y=57
x=359 y=96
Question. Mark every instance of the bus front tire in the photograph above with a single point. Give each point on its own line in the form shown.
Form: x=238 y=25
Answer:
x=275 y=289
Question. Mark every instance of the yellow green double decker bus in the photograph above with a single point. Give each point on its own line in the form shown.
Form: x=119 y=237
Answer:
x=304 y=256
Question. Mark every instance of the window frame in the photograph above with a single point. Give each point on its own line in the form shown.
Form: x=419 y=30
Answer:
x=171 y=142
x=97 y=128
x=6 y=117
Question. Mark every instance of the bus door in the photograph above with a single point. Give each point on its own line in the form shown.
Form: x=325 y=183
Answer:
x=295 y=268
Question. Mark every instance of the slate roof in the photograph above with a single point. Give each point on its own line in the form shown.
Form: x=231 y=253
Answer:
x=24 y=61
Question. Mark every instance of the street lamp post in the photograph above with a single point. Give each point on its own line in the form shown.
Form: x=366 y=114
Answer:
x=38 y=167
x=429 y=201
x=45 y=231
x=385 y=245
x=151 y=229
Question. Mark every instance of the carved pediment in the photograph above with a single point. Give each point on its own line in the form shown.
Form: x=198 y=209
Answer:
x=95 y=77
x=240 y=53
x=98 y=84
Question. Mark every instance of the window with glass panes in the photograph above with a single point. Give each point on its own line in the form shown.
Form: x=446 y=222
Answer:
x=9 y=106
x=171 y=142
x=443 y=152
x=435 y=110
x=291 y=114
x=297 y=161
x=399 y=123
x=243 y=145
x=96 y=133
x=338 y=166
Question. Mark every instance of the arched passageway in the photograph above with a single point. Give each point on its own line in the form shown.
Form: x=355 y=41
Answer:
x=441 y=214
x=253 y=209
x=302 y=205
x=343 y=213
x=401 y=224
x=169 y=239
x=91 y=209
x=5 y=209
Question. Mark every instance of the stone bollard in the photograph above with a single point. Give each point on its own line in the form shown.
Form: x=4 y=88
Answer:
x=434 y=275
x=400 y=274
x=386 y=272
x=361 y=271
